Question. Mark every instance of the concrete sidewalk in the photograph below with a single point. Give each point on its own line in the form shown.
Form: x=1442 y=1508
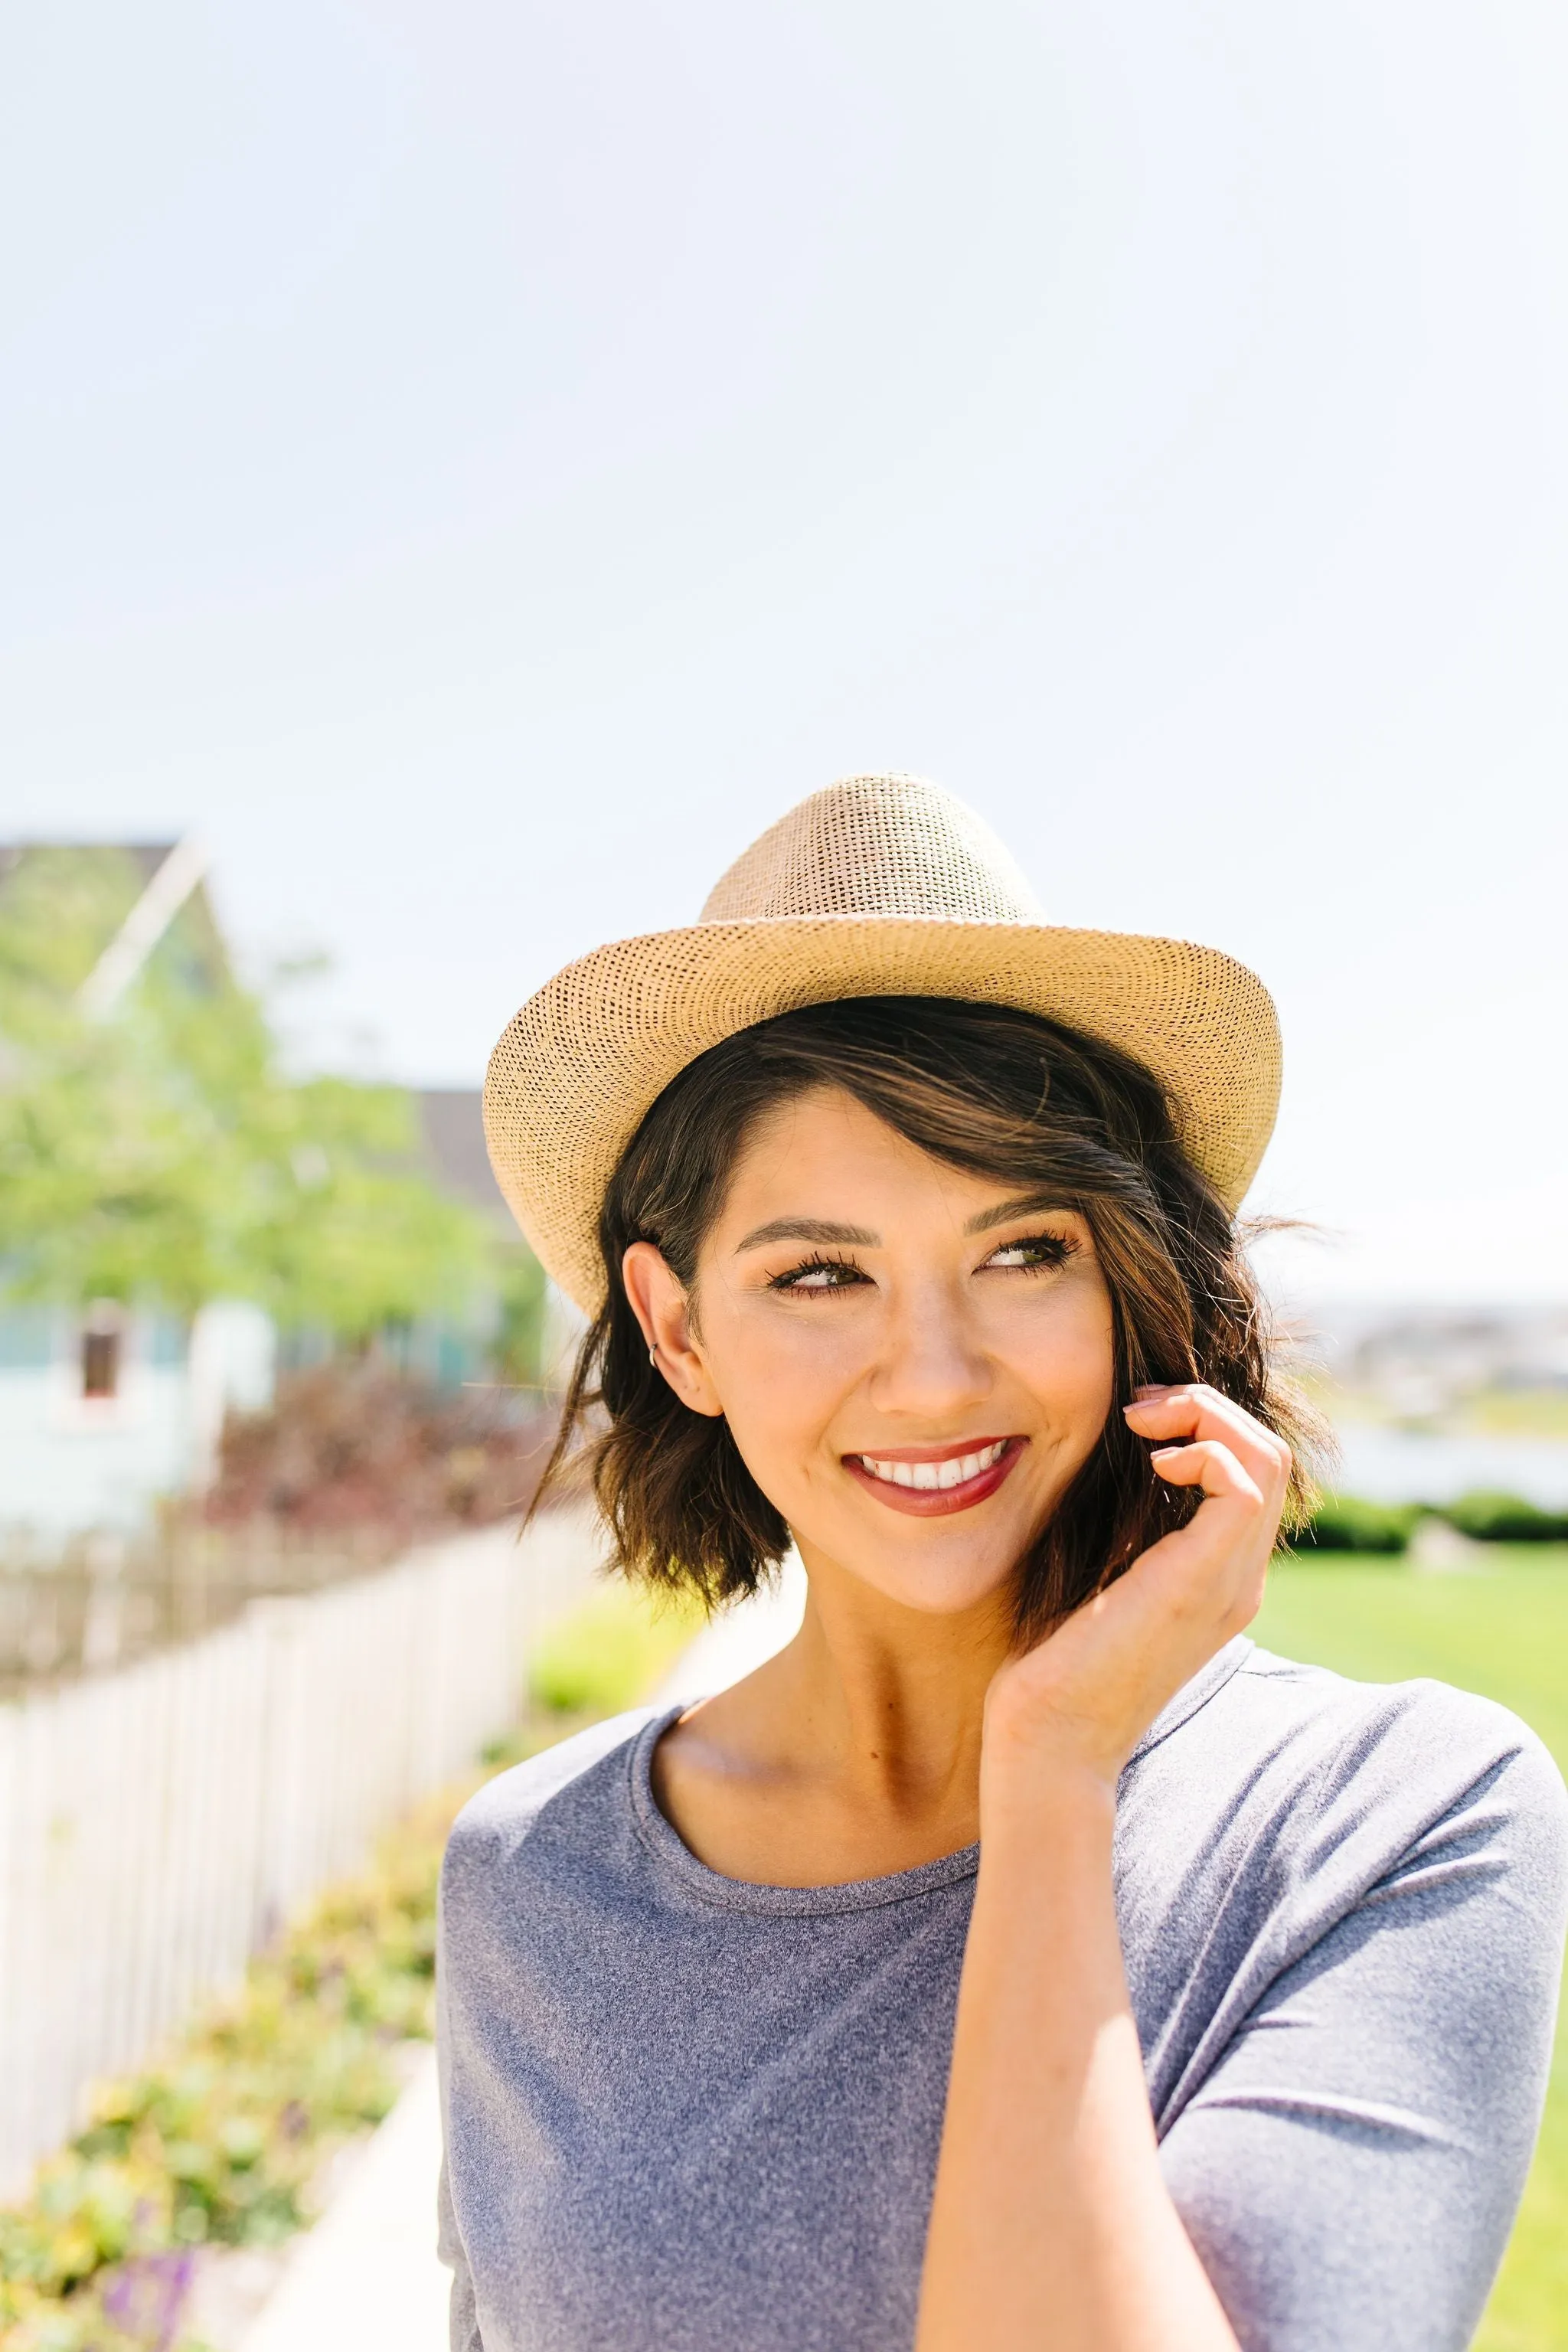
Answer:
x=367 y=2273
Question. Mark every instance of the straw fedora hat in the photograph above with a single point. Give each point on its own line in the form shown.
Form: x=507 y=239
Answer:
x=880 y=885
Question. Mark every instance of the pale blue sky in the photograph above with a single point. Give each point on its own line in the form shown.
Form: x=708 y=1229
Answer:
x=478 y=464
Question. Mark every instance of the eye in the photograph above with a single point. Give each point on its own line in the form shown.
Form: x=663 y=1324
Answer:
x=816 y=1274
x=1033 y=1254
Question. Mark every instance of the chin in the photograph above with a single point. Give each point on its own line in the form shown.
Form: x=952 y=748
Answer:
x=938 y=1586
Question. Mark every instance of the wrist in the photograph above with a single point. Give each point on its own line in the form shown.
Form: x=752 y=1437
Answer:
x=1031 y=1749
x=1045 y=1787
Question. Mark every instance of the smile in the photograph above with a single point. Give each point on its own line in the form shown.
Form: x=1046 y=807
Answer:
x=931 y=1481
x=927 y=1474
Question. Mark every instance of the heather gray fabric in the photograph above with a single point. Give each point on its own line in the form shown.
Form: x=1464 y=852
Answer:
x=686 y=2113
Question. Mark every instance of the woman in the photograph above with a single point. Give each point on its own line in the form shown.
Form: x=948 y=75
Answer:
x=1020 y=1959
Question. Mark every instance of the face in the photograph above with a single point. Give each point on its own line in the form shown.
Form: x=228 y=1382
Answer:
x=914 y=1362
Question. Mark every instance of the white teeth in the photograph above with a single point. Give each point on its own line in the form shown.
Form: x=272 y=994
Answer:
x=937 y=1476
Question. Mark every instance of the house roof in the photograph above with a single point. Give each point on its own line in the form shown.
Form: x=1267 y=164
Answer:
x=453 y=1129
x=450 y=1120
x=148 y=855
x=193 y=928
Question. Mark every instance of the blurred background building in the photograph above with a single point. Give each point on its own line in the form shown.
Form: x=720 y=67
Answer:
x=142 y=1103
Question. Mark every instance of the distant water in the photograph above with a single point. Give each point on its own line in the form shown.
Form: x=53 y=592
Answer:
x=1408 y=1465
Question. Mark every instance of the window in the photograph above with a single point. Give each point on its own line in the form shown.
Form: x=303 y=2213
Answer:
x=101 y=1352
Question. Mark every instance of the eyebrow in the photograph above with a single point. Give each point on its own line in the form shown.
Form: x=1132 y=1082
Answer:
x=1032 y=1204
x=821 y=1229
x=807 y=1229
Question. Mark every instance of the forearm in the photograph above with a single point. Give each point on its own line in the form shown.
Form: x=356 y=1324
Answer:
x=1050 y=2220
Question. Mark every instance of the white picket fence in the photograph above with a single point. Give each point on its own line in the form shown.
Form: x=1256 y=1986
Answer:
x=157 y=1823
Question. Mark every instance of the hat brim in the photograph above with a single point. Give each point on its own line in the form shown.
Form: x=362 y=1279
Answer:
x=585 y=1059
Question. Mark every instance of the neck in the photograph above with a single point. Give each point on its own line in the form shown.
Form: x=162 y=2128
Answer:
x=884 y=1700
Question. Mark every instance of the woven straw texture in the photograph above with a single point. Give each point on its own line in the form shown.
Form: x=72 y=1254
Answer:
x=882 y=886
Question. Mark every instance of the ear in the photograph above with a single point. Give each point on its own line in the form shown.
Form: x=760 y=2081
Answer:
x=664 y=1313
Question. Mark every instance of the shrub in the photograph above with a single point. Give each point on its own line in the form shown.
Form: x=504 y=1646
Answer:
x=218 y=2143
x=223 y=2139
x=601 y=1660
x=1351 y=1523
x=356 y=1445
x=1487 y=1517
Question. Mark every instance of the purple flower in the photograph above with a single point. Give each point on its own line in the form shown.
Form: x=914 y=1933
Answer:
x=147 y=2294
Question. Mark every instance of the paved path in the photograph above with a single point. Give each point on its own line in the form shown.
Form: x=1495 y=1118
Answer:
x=366 y=2275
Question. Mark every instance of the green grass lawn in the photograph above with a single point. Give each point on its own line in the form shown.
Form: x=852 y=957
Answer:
x=1503 y=1630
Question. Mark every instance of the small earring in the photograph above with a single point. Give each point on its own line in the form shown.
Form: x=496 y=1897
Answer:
x=653 y=1355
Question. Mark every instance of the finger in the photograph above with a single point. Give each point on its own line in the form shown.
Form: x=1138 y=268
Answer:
x=1198 y=1411
x=1184 y=1409
x=1208 y=1465
x=1218 y=1560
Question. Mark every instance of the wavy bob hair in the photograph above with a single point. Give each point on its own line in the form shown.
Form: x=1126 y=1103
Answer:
x=999 y=1093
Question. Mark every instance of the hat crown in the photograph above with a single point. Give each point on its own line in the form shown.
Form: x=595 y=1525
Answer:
x=869 y=845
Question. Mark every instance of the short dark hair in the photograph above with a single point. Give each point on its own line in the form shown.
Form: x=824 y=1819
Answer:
x=988 y=1088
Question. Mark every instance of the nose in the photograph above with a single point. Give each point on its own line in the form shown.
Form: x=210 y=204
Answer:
x=931 y=1367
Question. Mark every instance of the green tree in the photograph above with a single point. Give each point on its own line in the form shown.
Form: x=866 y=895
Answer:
x=163 y=1152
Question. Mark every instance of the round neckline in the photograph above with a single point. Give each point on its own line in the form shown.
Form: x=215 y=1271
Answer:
x=670 y=1850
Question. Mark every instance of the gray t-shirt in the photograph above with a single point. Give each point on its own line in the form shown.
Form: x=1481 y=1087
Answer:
x=688 y=2114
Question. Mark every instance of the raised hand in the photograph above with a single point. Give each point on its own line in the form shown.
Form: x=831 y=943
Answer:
x=1086 y=1695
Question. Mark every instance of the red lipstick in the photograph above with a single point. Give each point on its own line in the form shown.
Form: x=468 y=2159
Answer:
x=936 y=1502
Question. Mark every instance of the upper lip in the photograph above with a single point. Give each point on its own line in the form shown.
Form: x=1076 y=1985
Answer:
x=927 y=1452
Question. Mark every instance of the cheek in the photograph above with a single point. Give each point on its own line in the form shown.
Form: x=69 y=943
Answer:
x=777 y=1426
x=1066 y=1358
x=780 y=1381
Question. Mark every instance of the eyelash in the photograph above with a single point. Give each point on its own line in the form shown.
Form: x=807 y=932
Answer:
x=816 y=1264
x=1055 y=1250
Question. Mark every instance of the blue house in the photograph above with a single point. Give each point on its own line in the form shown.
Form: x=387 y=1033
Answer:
x=105 y=1411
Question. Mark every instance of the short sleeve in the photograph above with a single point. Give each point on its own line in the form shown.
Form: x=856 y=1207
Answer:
x=1350 y=2167
x=463 y=2320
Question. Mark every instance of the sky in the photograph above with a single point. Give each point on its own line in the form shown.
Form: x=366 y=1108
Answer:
x=476 y=466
